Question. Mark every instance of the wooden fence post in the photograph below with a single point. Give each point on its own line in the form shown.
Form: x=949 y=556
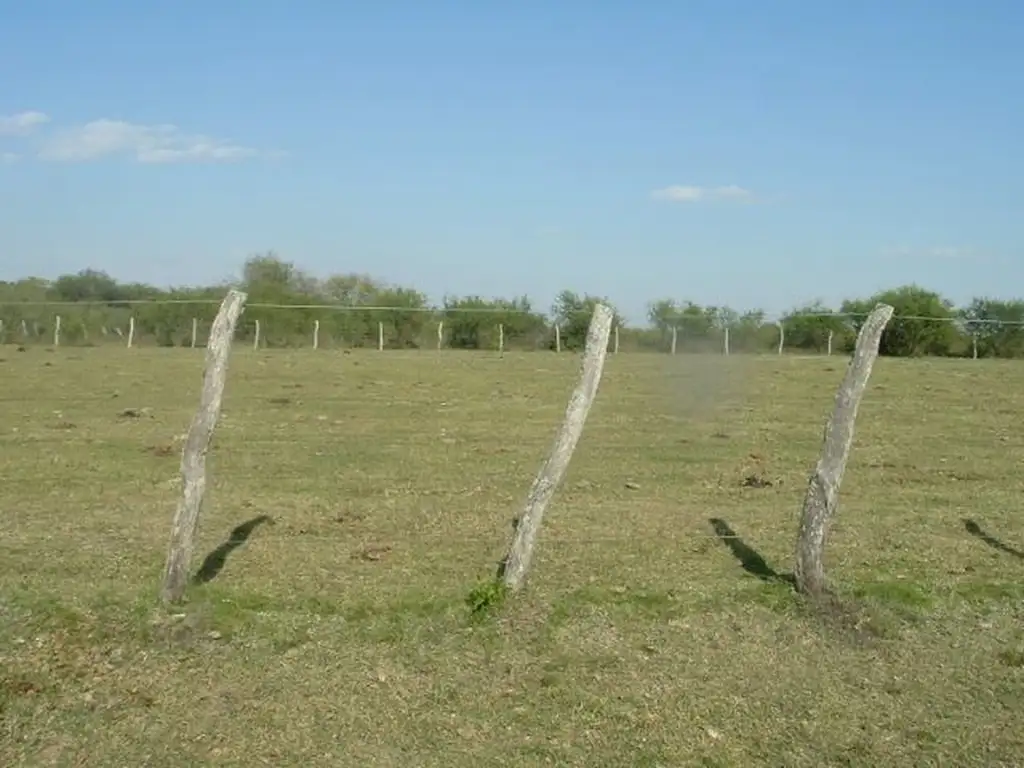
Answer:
x=830 y=343
x=782 y=337
x=195 y=331
x=501 y=339
x=56 y=331
x=193 y=456
x=256 y=338
x=316 y=334
x=131 y=331
x=823 y=489
x=675 y=339
x=726 y=341
x=440 y=334
x=517 y=562
x=558 y=339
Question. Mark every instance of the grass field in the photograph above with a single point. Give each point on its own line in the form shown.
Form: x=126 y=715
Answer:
x=374 y=491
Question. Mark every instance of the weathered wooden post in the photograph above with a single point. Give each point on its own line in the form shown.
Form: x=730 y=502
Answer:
x=517 y=562
x=193 y=455
x=822 y=496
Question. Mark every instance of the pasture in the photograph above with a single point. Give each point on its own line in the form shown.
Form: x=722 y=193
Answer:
x=356 y=500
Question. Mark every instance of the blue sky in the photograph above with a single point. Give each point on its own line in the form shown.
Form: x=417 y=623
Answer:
x=752 y=153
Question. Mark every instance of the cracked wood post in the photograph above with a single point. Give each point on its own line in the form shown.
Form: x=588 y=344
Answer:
x=193 y=455
x=823 y=489
x=517 y=562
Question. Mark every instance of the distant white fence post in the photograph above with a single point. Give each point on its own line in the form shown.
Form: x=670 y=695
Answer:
x=195 y=331
x=316 y=334
x=56 y=331
x=782 y=337
x=830 y=343
x=501 y=338
x=974 y=347
x=440 y=334
x=615 y=344
x=822 y=496
x=675 y=339
x=558 y=339
x=193 y=456
x=256 y=338
x=24 y=329
x=517 y=562
x=131 y=331
x=726 y=340
x=380 y=336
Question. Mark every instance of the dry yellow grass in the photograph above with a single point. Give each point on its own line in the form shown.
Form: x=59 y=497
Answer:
x=337 y=632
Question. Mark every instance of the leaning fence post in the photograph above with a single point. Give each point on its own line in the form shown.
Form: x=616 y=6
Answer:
x=517 y=562
x=193 y=456
x=823 y=489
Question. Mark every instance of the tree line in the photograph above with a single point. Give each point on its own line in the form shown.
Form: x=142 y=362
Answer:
x=352 y=309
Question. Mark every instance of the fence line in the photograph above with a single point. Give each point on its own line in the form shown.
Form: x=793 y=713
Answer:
x=502 y=329
x=496 y=310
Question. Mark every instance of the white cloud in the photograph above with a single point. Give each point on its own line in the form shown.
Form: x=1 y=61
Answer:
x=690 y=194
x=22 y=123
x=8 y=158
x=146 y=143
